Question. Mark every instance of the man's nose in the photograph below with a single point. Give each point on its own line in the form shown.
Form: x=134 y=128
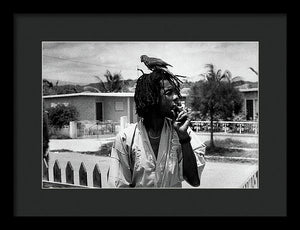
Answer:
x=176 y=99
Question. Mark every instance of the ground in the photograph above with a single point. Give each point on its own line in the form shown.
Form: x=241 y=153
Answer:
x=225 y=168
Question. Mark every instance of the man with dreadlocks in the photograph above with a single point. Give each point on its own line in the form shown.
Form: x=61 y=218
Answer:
x=160 y=150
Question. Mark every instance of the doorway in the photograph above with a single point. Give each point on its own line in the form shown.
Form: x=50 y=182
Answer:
x=99 y=111
x=249 y=109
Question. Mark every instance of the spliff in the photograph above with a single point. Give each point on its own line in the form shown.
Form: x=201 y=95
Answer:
x=177 y=110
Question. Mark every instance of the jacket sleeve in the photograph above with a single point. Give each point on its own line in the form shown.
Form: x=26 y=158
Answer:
x=119 y=174
x=199 y=150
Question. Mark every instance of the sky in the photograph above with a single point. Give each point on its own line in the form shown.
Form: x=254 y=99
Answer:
x=79 y=62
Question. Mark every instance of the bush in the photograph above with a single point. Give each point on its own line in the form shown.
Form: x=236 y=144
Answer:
x=61 y=115
x=59 y=136
x=240 y=117
x=45 y=135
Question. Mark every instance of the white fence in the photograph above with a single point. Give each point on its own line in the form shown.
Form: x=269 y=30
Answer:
x=96 y=128
x=252 y=181
x=89 y=172
x=75 y=170
x=238 y=127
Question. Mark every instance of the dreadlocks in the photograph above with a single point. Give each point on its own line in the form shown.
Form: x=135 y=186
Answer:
x=147 y=91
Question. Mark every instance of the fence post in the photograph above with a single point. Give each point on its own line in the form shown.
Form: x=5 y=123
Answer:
x=255 y=128
x=45 y=170
x=123 y=122
x=73 y=129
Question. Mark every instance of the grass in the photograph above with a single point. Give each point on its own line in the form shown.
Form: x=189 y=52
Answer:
x=230 y=143
x=232 y=148
x=225 y=148
x=103 y=151
x=59 y=136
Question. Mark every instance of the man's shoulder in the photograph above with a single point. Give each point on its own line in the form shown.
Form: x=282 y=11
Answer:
x=130 y=127
x=127 y=131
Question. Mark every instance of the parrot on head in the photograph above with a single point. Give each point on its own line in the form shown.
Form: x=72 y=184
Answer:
x=154 y=63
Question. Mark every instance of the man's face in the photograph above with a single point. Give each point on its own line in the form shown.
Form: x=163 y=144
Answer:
x=169 y=99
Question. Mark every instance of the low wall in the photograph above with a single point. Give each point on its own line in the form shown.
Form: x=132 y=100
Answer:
x=71 y=170
x=76 y=169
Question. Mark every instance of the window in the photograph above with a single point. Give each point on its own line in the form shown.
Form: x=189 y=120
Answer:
x=119 y=106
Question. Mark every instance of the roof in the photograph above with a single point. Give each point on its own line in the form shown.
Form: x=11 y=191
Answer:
x=248 y=90
x=91 y=94
x=129 y=94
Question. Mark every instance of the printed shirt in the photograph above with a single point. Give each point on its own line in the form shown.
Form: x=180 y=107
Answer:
x=133 y=163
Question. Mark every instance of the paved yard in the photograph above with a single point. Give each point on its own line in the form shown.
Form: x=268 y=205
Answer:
x=215 y=174
x=79 y=145
x=224 y=175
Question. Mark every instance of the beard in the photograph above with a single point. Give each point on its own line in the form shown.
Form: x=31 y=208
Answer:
x=171 y=113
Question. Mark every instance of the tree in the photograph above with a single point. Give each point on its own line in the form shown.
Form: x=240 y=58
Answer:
x=50 y=89
x=91 y=89
x=61 y=115
x=215 y=97
x=47 y=87
x=45 y=134
x=67 y=89
x=114 y=83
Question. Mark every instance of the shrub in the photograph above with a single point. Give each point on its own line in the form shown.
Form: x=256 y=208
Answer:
x=240 y=117
x=45 y=135
x=61 y=115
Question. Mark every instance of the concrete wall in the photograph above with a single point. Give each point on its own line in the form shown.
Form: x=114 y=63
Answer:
x=133 y=114
x=110 y=110
x=86 y=106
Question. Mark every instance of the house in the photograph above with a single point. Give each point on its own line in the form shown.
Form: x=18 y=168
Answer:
x=112 y=106
x=250 y=105
x=98 y=106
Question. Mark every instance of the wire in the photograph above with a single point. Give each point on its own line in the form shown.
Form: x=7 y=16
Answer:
x=86 y=63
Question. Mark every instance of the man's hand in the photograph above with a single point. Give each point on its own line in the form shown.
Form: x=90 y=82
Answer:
x=181 y=124
x=190 y=171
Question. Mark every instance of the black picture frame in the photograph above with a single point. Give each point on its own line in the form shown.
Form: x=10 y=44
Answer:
x=270 y=30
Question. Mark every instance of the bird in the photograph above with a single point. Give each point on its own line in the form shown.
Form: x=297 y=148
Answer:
x=153 y=63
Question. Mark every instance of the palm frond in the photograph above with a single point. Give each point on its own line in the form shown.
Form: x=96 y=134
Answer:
x=90 y=88
x=219 y=74
x=226 y=76
x=237 y=78
x=253 y=70
x=98 y=78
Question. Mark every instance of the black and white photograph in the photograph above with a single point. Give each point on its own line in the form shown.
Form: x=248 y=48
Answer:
x=150 y=114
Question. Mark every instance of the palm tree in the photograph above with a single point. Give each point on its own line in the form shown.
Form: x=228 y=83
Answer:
x=217 y=96
x=91 y=89
x=48 y=87
x=114 y=83
x=217 y=76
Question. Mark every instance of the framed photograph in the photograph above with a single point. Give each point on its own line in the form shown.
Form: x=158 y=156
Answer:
x=236 y=140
